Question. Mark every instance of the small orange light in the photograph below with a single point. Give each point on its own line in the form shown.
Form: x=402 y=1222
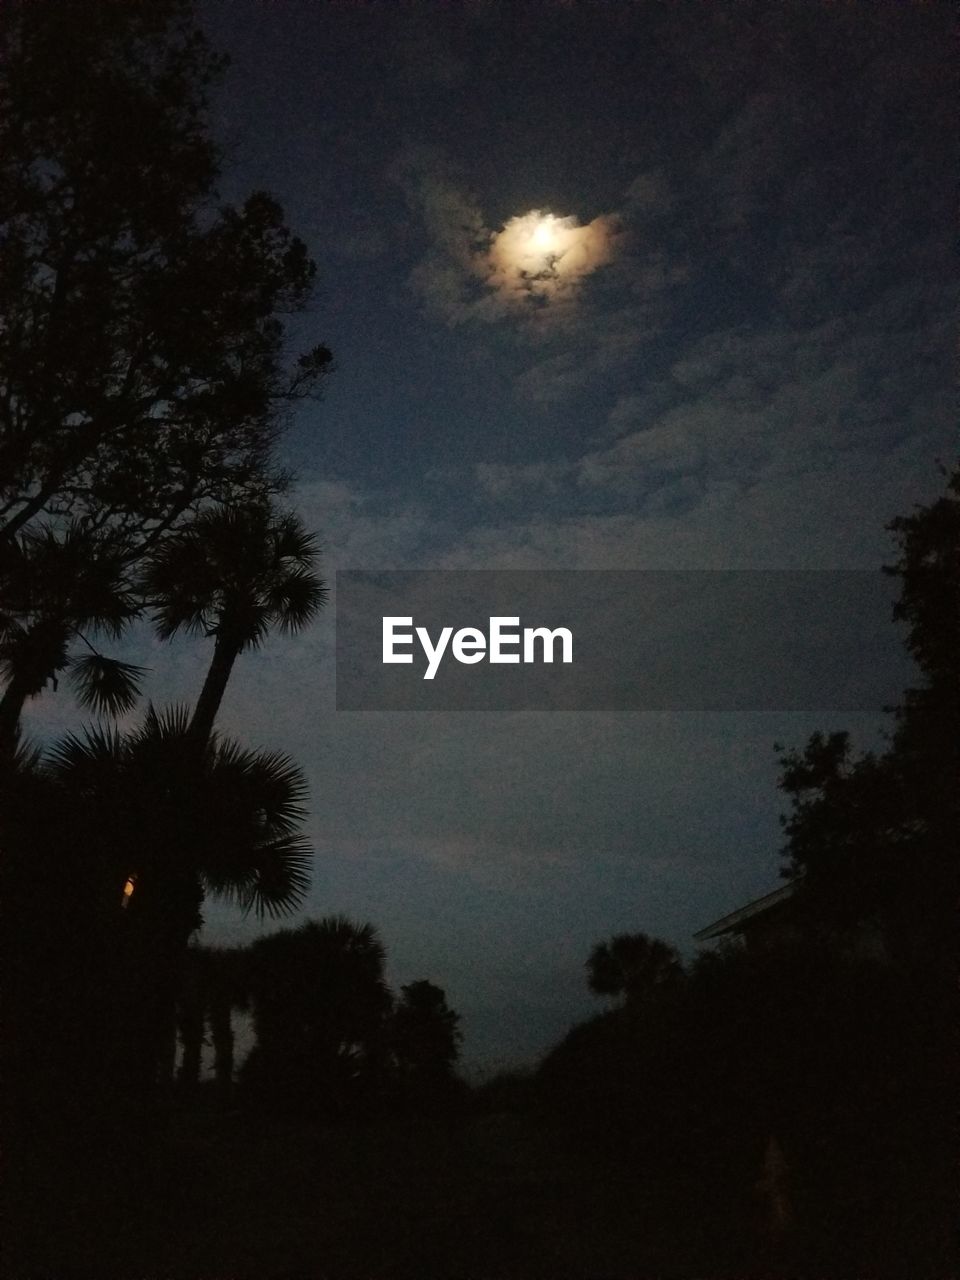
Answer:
x=128 y=889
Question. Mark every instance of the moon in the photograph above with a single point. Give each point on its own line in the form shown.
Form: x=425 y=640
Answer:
x=543 y=257
x=544 y=234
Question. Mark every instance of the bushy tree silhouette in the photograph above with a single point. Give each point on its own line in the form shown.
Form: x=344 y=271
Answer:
x=426 y=1038
x=143 y=374
x=872 y=839
x=632 y=965
x=872 y=844
x=425 y=1042
x=141 y=359
x=797 y=1097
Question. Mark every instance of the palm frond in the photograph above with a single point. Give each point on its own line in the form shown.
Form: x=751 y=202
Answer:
x=244 y=616
x=8 y=622
x=235 y=571
x=171 y=723
x=296 y=598
x=275 y=881
x=293 y=543
x=105 y=684
x=23 y=759
x=158 y=764
x=78 y=575
x=266 y=783
x=344 y=940
x=105 y=604
x=88 y=759
x=35 y=652
x=172 y=617
x=181 y=581
x=14 y=646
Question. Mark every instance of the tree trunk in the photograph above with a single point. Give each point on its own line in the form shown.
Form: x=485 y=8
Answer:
x=11 y=708
x=191 y=1036
x=225 y=653
x=221 y=1029
x=40 y=654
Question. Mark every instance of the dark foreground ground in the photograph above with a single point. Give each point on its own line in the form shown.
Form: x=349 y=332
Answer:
x=479 y=1197
x=489 y=1197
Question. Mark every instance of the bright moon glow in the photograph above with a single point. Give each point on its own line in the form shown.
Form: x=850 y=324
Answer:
x=544 y=236
x=544 y=256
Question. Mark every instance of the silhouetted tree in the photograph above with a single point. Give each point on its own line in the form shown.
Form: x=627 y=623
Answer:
x=228 y=827
x=320 y=1005
x=614 y=1078
x=929 y=573
x=425 y=1039
x=796 y=1100
x=632 y=965
x=872 y=845
x=872 y=839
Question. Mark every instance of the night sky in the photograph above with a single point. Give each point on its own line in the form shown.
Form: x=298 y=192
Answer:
x=741 y=359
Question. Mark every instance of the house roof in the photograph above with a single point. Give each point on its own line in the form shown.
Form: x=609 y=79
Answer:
x=736 y=919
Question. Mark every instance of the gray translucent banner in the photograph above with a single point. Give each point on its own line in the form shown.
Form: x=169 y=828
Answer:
x=639 y=640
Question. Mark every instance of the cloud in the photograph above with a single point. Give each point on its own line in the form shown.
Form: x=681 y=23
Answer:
x=556 y=378
x=364 y=530
x=501 y=483
x=667 y=449
x=649 y=194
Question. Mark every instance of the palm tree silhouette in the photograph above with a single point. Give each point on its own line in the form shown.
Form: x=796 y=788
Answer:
x=232 y=575
x=320 y=1008
x=228 y=827
x=146 y=813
